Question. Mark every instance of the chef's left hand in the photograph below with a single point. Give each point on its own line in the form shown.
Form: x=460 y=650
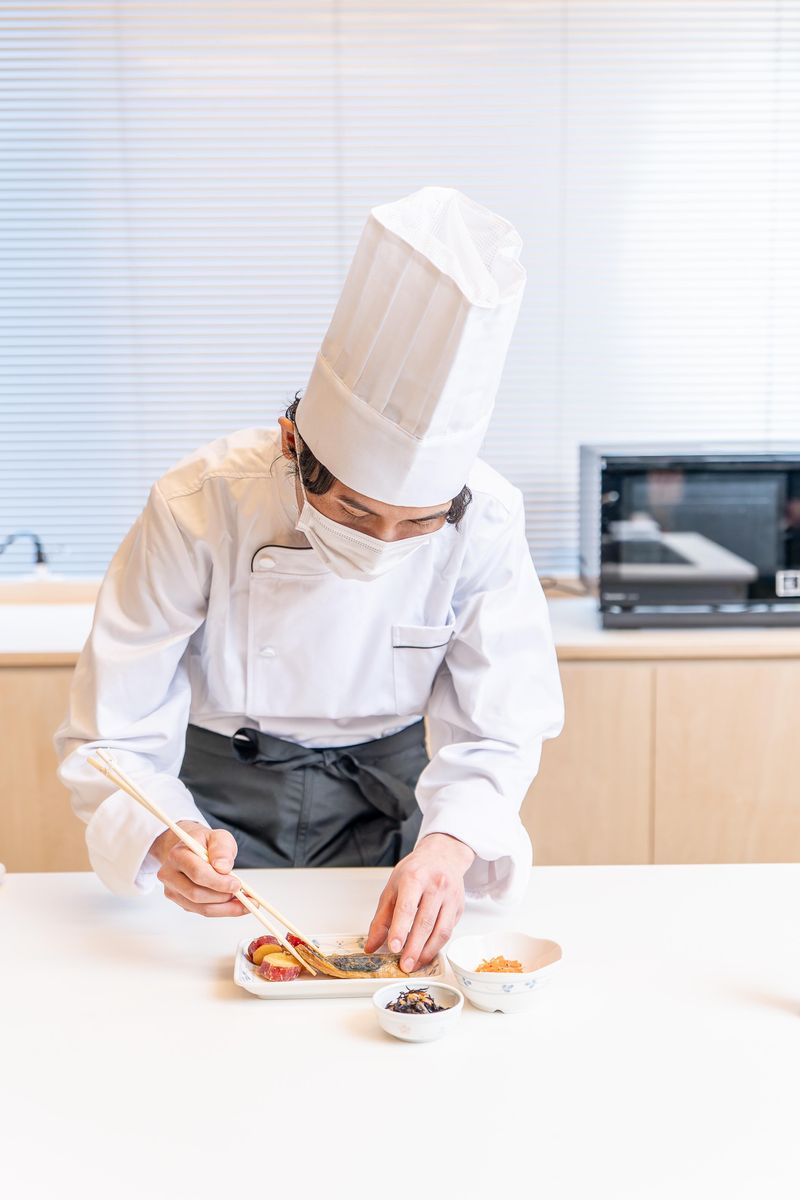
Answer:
x=422 y=901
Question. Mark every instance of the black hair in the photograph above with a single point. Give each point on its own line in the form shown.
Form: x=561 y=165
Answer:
x=319 y=480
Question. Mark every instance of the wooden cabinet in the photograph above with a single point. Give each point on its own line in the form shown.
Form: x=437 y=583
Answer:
x=679 y=746
x=727 y=752
x=592 y=799
x=673 y=760
x=38 y=829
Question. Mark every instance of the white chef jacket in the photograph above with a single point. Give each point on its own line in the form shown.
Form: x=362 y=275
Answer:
x=215 y=611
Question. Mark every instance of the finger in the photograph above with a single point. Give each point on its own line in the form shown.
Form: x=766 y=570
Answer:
x=449 y=916
x=229 y=908
x=190 y=864
x=176 y=881
x=221 y=849
x=379 y=926
x=409 y=891
x=421 y=930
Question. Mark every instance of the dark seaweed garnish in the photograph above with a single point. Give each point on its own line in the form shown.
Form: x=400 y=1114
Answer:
x=415 y=1000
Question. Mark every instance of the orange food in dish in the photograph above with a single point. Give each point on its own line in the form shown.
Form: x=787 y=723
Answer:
x=500 y=964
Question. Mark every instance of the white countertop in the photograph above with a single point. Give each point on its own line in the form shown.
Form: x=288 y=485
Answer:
x=44 y=628
x=579 y=634
x=57 y=631
x=662 y=1060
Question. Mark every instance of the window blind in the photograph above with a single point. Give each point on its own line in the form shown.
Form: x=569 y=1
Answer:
x=184 y=183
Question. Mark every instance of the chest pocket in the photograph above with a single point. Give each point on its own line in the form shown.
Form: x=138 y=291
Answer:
x=418 y=652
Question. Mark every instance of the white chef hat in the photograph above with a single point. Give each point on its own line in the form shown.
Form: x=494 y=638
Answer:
x=404 y=384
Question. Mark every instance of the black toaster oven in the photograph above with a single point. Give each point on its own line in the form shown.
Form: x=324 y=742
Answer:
x=692 y=534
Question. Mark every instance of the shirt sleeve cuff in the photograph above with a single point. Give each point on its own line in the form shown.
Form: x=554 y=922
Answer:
x=121 y=832
x=503 y=853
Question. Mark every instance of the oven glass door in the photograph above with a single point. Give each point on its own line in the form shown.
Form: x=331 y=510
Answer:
x=700 y=534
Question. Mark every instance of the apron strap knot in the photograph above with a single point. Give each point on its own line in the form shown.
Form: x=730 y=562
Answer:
x=245 y=744
x=389 y=795
x=383 y=791
x=261 y=750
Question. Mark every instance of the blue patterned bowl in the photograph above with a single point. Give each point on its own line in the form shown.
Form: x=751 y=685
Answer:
x=500 y=991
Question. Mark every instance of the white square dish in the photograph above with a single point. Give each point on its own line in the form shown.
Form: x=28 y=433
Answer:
x=309 y=986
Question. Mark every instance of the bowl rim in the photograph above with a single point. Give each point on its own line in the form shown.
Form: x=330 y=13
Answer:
x=503 y=976
x=422 y=981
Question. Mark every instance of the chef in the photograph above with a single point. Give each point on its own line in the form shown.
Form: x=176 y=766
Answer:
x=291 y=603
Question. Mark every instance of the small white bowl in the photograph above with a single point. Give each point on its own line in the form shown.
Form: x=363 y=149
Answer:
x=510 y=991
x=418 y=1027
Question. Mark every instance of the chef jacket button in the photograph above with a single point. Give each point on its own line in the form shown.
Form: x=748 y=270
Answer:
x=264 y=564
x=267 y=652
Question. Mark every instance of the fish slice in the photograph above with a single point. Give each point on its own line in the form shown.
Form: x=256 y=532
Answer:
x=358 y=965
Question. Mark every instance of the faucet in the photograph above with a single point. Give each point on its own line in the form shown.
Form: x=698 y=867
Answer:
x=40 y=562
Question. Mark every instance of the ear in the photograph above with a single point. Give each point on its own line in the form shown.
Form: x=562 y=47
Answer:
x=288 y=447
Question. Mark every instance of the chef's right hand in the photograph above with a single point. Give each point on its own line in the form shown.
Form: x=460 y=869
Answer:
x=199 y=887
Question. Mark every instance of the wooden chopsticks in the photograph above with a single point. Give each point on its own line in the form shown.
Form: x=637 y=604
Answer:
x=103 y=761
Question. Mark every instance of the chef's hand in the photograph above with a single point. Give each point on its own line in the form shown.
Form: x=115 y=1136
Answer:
x=422 y=901
x=199 y=887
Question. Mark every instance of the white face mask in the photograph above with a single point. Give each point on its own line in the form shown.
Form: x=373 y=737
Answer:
x=348 y=553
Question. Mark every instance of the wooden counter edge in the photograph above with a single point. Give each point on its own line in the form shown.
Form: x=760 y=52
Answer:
x=49 y=591
x=39 y=658
x=650 y=651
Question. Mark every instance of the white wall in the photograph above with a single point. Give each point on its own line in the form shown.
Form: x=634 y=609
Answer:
x=185 y=183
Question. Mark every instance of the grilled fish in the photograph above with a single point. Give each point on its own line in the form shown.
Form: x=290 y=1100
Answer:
x=358 y=965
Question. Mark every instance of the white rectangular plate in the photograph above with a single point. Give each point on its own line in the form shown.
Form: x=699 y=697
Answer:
x=245 y=976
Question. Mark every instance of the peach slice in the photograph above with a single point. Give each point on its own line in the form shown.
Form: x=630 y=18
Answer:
x=261 y=946
x=279 y=968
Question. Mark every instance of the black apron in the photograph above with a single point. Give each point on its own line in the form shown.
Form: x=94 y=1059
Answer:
x=292 y=806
